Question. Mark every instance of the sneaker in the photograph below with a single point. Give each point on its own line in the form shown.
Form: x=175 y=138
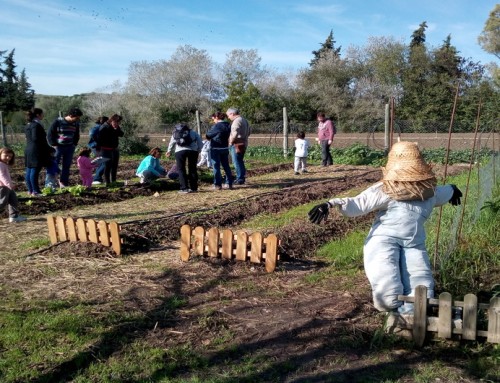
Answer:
x=304 y=171
x=96 y=182
x=184 y=191
x=297 y=173
x=19 y=218
x=217 y=187
x=227 y=186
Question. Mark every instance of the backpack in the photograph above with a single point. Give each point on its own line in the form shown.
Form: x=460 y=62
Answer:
x=334 y=127
x=182 y=135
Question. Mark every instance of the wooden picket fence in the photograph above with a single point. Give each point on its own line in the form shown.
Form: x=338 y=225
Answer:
x=454 y=320
x=229 y=245
x=84 y=230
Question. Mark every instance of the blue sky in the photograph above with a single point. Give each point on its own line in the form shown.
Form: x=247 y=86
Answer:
x=70 y=47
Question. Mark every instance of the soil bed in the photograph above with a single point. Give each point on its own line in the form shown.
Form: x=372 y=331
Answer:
x=302 y=330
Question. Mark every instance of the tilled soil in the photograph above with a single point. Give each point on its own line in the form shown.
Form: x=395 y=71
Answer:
x=308 y=331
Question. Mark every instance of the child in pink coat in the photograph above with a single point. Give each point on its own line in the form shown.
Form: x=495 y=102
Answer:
x=86 y=167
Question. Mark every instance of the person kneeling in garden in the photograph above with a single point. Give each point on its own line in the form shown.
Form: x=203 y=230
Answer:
x=395 y=258
x=150 y=169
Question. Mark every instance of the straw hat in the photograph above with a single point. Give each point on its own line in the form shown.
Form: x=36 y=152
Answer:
x=407 y=176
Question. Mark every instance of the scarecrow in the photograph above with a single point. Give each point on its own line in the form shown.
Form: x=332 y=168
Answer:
x=395 y=258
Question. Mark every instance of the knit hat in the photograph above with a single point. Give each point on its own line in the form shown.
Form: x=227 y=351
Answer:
x=407 y=176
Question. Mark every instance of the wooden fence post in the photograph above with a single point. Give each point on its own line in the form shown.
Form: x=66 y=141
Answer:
x=92 y=227
x=445 y=318
x=241 y=245
x=494 y=320
x=420 y=315
x=227 y=244
x=271 y=252
x=199 y=240
x=51 y=223
x=256 y=249
x=185 y=242
x=469 y=317
x=213 y=242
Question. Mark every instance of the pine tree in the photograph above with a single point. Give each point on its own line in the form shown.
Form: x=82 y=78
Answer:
x=416 y=78
x=326 y=48
x=15 y=91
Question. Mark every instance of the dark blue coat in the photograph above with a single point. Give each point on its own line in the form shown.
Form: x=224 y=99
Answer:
x=219 y=135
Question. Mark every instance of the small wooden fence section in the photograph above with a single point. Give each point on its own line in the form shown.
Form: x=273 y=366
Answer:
x=229 y=245
x=84 y=230
x=455 y=320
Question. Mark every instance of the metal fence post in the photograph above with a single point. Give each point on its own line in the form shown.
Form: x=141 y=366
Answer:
x=4 y=135
x=285 y=133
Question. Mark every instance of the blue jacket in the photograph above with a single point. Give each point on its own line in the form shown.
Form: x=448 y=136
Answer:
x=93 y=134
x=219 y=135
x=151 y=164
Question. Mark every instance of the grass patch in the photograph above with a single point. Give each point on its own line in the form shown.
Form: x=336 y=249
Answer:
x=465 y=254
x=34 y=244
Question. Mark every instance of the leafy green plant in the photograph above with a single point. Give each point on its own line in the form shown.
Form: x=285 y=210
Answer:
x=357 y=154
x=492 y=205
x=76 y=190
x=48 y=191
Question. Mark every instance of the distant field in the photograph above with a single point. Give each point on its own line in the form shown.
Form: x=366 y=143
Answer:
x=425 y=140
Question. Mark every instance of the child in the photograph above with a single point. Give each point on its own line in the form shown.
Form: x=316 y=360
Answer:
x=301 y=151
x=173 y=173
x=8 y=196
x=51 y=180
x=150 y=169
x=86 y=167
x=205 y=155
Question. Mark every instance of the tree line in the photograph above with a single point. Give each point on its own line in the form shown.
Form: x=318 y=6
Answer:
x=351 y=86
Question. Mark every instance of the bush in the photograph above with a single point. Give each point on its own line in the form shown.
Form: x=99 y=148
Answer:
x=134 y=145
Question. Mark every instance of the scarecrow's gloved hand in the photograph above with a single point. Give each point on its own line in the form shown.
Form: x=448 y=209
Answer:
x=319 y=212
x=455 y=198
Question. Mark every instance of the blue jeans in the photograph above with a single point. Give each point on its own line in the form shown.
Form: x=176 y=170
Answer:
x=239 y=165
x=31 y=177
x=64 y=155
x=99 y=173
x=221 y=157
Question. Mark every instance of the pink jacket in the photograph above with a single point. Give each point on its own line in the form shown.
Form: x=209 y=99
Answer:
x=85 y=165
x=5 y=179
x=325 y=130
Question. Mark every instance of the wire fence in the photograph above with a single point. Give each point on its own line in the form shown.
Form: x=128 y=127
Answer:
x=429 y=135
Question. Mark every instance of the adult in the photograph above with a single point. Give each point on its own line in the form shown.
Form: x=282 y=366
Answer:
x=63 y=135
x=326 y=132
x=219 y=149
x=238 y=141
x=93 y=135
x=37 y=152
x=186 y=153
x=107 y=145
x=150 y=168
x=395 y=257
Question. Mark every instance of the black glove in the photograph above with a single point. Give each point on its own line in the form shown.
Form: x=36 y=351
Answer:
x=455 y=198
x=319 y=213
